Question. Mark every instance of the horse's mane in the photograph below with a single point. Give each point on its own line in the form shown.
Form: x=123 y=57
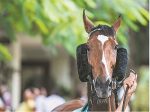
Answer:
x=105 y=30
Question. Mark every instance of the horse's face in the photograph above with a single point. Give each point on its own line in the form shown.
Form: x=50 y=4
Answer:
x=101 y=55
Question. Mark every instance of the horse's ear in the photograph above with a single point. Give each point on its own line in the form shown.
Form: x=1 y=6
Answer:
x=117 y=23
x=87 y=23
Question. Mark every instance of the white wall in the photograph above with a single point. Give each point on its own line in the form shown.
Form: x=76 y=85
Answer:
x=60 y=69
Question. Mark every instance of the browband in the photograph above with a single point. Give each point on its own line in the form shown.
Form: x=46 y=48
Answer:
x=97 y=29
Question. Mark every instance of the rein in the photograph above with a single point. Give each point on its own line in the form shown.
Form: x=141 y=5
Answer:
x=126 y=91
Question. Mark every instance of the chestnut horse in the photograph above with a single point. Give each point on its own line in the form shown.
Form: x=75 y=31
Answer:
x=101 y=55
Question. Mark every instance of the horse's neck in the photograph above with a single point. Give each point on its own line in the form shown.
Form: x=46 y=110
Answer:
x=101 y=105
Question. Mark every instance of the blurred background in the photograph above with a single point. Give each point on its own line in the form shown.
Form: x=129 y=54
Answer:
x=38 y=40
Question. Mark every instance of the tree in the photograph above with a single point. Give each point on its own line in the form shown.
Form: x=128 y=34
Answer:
x=60 y=22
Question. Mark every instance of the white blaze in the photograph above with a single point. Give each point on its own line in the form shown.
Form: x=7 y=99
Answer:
x=103 y=39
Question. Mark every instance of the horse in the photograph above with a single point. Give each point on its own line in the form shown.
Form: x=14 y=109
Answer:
x=96 y=66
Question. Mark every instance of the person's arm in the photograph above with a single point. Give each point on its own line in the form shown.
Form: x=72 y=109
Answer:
x=131 y=81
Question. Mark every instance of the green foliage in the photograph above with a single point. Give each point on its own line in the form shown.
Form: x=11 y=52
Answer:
x=4 y=53
x=59 y=22
x=132 y=11
x=141 y=98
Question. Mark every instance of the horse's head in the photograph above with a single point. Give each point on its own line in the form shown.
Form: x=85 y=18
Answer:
x=101 y=55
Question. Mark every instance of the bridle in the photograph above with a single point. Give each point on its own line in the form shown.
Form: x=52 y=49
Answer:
x=114 y=85
x=85 y=69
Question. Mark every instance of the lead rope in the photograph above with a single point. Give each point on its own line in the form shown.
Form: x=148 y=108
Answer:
x=125 y=95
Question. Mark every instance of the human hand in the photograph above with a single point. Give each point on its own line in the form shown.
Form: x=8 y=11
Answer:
x=131 y=82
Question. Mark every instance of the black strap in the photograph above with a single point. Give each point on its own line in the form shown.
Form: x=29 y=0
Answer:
x=116 y=98
x=91 y=83
x=125 y=96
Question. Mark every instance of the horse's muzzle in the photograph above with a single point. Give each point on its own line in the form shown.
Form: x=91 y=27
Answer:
x=102 y=88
